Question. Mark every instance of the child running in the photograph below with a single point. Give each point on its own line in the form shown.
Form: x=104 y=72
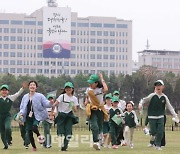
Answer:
x=121 y=106
x=131 y=122
x=48 y=123
x=6 y=101
x=115 y=121
x=67 y=103
x=158 y=101
x=33 y=110
x=95 y=106
x=107 y=106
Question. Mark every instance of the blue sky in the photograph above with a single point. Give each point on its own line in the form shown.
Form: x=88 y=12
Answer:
x=155 y=20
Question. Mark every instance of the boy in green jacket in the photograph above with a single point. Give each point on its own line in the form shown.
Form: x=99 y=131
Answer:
x=6 y=101
x=158 y=101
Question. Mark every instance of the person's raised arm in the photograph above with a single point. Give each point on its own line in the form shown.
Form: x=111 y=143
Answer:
x=16 y=95
x=105 y=88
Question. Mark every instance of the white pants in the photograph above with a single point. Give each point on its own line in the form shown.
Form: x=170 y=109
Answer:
x=128 y=131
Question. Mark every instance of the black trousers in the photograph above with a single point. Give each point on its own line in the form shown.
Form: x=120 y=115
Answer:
x=120 y=137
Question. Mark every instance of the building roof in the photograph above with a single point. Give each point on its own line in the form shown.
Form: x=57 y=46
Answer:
x=159 y=52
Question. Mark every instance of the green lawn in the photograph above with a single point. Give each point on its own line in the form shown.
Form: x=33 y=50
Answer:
x=78 y=146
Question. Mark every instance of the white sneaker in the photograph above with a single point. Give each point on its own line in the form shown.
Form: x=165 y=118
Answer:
x=109 y=146
x=48 y=146
x=158 y=148
x=96 y=146
x=26 y=146
x=131 y=146
x=150 y=145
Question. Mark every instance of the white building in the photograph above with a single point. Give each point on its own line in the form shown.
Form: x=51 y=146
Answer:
x=163 y=60
x=97 y=44
x=135 y=66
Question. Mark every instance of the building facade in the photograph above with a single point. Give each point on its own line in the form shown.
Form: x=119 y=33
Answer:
x=97 y=44
x=163 y=60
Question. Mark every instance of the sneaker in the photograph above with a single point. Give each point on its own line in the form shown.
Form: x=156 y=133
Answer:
x=123 y=144
x=96 y=146
x=34 y=149
x=158 y=148
x=63 y=149
x=41 y=139
x=5 y=147
x=150 y=145
x=108 y=146
x=26 y=146
x=131 y=146
x=115 y=146
x=87 y=122
x=10 y=143
x=48 y=146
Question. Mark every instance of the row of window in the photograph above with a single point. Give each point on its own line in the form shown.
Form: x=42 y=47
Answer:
x=20 y=22
x=99 y=33
x=73 y=32
x=20 y=46
x=73 y=24
x=100 y=56
x=58 y=71
x=73 y=40
x=99 y=25
x=73 y=48
x=82 y=56
x=20 y=38
x=166 y=66
x=165 y=60
x=99 y=41
x=19 y=54
x=104 y=49
x=47 y=63
x=21 y=30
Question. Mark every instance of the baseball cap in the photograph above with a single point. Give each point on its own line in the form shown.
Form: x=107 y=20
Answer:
x=116 y=92
x=4 y=86
x=68 y=84
x=158 y=82
x=108 y=96
x=131 y=102
x=50 y=96
x=93 y=78
x=115 y=99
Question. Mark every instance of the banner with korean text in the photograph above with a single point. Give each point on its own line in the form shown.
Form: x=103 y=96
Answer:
x=56 y=32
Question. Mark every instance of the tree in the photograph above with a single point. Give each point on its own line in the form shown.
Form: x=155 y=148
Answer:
x=170 y=78
x=176 y=97
x=127 y=88
x=139 y=86
x=168 y=90
x=80 y=80
x=150 y=73
x=113 y=83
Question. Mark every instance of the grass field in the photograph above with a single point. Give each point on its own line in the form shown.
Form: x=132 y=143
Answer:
x=77 y=146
